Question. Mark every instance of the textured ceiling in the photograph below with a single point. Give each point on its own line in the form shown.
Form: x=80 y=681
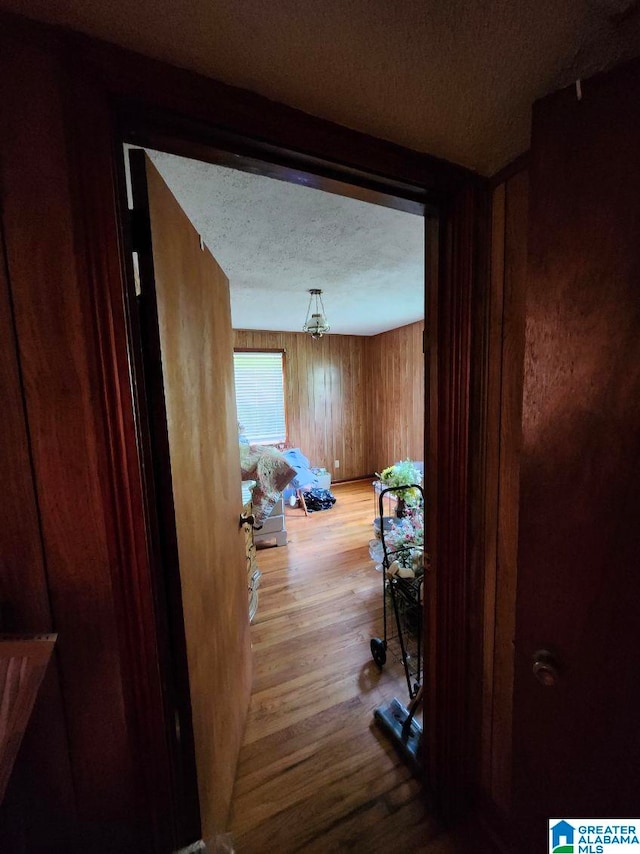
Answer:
x=454 y=78
x=276 y=240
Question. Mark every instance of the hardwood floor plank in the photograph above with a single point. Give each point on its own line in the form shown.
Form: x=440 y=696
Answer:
x=315 y=772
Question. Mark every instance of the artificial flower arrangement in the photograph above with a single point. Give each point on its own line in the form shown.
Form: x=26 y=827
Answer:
x=403 y=473
x=404 y=540
x=405 y=544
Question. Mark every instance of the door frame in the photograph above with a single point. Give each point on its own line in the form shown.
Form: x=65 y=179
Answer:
x=113 y=96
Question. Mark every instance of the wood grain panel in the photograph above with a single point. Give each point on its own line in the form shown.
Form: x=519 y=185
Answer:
x=353 y=398
x=455 y=664
x=54 y=325
x=38 y=809
x=504 y=406
x=326 y=397
x=194 y=319
x=167 y=802
x=492 y=463
x=22 y=561
x=395 y=390
x=513 y=329
x=575 y=745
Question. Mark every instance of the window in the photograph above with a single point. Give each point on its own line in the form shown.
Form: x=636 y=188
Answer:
x=259 y=378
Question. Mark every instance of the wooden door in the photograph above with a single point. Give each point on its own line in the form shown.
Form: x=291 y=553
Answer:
x=185 y=295
x=576 y=745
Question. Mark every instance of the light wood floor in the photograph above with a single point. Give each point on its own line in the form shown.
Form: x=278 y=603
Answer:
x=315 y=773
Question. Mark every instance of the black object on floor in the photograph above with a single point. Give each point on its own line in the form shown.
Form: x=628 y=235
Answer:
x=318 y=499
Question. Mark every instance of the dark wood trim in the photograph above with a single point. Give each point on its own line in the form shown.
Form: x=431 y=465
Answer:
x=455 y=580
x=498 y=530
x=431 y=347
x=481 y=477
x=177 y=136
x=518 y=164
x=94 y=148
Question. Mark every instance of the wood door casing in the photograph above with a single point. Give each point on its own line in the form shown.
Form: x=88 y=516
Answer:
x=576 y=750
x=194 y=320
x=504 y=400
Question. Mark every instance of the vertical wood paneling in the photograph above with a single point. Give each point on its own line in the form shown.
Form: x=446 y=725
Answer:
x=38 y=809
x=55 y=334
x=492 y=462
x=453 y=668
x=326 y=397
x=576 y=748
x=352 y=398
x=504 y=408
x=395 y=386
x=194 y=320
x=167 y=804
x=513 y=337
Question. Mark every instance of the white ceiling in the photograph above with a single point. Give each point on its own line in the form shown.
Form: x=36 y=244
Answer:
x=453 y=78
x=276 y=240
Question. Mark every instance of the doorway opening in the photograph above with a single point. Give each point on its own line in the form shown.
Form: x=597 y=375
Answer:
x=150 y=372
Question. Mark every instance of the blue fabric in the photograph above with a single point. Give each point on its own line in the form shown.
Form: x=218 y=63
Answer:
x=304 y=478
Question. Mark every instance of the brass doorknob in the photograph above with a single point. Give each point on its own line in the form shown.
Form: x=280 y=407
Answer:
x=545 y=668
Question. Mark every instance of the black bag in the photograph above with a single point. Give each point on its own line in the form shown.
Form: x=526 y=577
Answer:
x=318 y=499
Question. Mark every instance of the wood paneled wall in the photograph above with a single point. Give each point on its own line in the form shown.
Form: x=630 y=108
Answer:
x=38 y=808
x=352 y=398
x=395 y=395
x=326 y=384
x=65 y=558
x=504 y=403
x=576 y=744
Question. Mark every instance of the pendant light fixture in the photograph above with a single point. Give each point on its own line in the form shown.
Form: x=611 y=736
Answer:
x=316 y=323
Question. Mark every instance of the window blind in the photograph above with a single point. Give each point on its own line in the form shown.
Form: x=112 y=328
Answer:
x=259 y=380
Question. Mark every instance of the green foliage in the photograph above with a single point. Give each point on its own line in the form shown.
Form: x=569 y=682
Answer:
x=401 y=474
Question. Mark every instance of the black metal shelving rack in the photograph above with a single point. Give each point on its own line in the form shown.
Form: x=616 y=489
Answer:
x=402 y=603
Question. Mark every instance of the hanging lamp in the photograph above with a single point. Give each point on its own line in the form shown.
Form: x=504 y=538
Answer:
x=316 y=323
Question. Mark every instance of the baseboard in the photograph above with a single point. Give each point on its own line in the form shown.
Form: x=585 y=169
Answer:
x=371 y=477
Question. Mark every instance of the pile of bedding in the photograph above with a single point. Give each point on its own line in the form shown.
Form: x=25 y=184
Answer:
x=272 y=473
